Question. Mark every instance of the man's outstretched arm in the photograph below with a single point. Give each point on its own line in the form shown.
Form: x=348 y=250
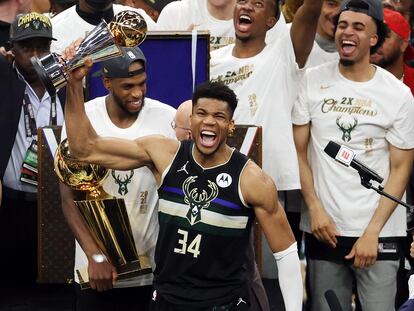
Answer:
x=260 y=192
x=113 y=153
x=303 y=29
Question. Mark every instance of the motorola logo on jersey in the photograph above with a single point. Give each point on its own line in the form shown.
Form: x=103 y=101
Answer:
x=223 y=180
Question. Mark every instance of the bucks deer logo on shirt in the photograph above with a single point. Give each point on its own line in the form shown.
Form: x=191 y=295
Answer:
x=123 y=181
x=197 y=199
x=346 y=124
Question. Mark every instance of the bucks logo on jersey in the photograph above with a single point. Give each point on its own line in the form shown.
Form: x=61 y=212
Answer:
x=197 y=199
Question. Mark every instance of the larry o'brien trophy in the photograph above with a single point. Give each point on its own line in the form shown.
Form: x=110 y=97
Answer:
x=127 y=29
x=105 y=216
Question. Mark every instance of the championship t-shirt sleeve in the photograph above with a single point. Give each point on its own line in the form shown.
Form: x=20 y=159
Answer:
x=296 y=72
x=300 y=110
x=171 y=16
x=401 y=133
x=279 y=37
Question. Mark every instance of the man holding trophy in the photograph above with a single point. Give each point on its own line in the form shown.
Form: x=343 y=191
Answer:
x=209 y=192
x=124 y=113
x=204 y=227
x=116 y=226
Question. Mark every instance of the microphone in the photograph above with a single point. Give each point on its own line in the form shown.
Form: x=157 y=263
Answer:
x=346 y=156
x=332 y=300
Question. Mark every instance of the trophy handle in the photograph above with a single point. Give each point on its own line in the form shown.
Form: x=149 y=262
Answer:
x=50 y=72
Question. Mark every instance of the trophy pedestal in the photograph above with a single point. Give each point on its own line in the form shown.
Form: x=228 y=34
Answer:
x=129 y=270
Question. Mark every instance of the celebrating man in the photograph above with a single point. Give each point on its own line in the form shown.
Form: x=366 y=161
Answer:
x=352 y=232
x=209 y=194
x=124 y=113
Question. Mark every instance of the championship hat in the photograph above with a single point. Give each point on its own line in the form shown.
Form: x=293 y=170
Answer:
x=31 y=25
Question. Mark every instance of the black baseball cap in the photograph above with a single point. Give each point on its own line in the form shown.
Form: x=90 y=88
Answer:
x=157 y=4
x=371 y=8
x=31 y=25
x=118 y=67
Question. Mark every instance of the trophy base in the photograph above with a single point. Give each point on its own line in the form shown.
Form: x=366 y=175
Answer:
x=129 y=270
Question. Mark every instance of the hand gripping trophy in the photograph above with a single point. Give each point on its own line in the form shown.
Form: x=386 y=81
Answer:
x=127 y=29
x=105 y=216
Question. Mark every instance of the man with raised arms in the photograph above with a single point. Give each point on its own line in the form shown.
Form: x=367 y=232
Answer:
x=209 y=196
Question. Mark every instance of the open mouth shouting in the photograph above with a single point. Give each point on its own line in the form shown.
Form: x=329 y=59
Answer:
x=347 y=47
x=208 y=138
x=243 y=23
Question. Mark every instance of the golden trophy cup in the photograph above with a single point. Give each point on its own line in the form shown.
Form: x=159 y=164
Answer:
x=127 y=29
x=105 y=216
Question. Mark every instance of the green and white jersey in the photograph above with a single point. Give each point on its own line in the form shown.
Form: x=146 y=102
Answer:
x=204 y=232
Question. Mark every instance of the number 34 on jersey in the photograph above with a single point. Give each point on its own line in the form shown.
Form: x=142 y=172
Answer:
x=188 y=247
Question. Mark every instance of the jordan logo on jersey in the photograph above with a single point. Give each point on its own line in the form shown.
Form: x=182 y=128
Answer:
x=183 y=168
x=196 y=199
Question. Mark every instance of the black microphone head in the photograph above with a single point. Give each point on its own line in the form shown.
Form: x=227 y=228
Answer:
x=332 y=149
x=347 y=158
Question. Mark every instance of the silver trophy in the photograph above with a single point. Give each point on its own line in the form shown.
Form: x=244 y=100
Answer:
x=128 y=29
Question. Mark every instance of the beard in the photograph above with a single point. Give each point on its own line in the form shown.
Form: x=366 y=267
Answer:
x=212 y=152
x=99 y=5
x=203 y=153
x=387 y=61
x=346 y=62
x=242 y=39
x=118 y=101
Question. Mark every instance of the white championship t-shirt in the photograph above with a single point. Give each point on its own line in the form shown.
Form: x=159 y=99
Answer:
x=319 y=56
x=140 y=192
x=180 y=15
x=366 y=117
x=68 y=26
x=266 y=86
